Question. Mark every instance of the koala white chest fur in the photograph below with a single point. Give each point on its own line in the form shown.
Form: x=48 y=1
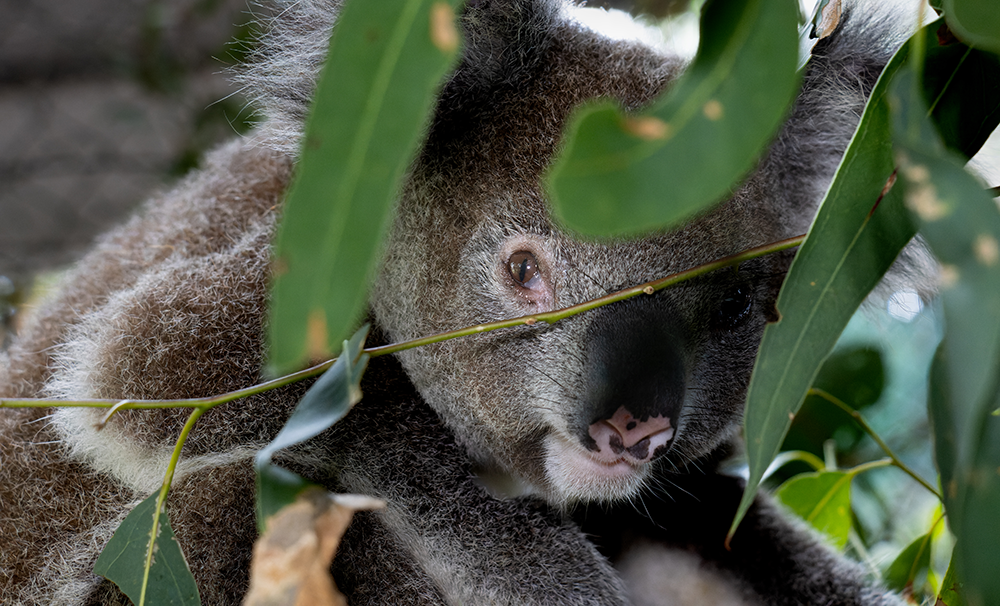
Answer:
x=636 y=402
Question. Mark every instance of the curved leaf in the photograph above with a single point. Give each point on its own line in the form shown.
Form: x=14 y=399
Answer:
x=326 y=402
x=903 y=571
x=857 y=234
x=374 y=94
x=620 y=175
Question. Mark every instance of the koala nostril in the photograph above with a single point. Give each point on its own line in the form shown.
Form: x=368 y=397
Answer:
x=624 y=433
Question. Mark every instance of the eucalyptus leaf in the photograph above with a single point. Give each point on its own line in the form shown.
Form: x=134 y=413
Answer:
x=903 y=571
x=977 y=22
x=373 y=97
x=622 y=175
x=123 y=560
x=824 y=500
x=857 y=234
x=961 y=224
x=330 y=398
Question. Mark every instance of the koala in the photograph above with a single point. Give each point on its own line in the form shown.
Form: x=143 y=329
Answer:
x=574 y=463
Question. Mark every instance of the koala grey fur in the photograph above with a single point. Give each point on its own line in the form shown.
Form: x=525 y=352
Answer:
x=172 y=304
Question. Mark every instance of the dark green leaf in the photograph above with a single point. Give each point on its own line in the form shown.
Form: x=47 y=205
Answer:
x=622 y=174
x=326 y=402
x=824 y=500
x=123 y=560
x=961 y=224
x=962 y=86
x=903 y=571
x=857 y=234
x=371 y=104
x=977 y=22
x=854 y=375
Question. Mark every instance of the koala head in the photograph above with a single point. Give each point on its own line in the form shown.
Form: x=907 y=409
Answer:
x=583 y=409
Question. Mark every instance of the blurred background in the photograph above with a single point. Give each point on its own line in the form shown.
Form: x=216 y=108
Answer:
x=102 y=101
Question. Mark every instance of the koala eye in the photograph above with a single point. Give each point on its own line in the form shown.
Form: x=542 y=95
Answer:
x=524 y=269
x=735 y=308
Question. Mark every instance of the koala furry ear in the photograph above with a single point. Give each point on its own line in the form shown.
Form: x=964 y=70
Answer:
x=503 y=38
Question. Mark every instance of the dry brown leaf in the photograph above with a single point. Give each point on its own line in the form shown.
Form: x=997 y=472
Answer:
x=291 y=561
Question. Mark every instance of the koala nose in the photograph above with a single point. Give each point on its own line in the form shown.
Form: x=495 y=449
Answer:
x=624 y=433
x=635 y=381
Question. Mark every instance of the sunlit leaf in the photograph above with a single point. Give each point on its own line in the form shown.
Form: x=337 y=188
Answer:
x=374 y=94
x=326 y=402
x=622 y=174
x=123 y=560
x=824 y=500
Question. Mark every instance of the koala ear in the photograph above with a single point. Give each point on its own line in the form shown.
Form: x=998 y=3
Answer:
x=503 y=38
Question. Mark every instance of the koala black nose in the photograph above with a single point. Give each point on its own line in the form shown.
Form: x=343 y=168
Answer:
x=635 y=380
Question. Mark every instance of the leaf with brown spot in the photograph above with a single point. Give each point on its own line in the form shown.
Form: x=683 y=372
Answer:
x=444 y=34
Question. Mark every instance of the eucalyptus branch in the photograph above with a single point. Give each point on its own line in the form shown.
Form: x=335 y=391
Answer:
x=548 y=317
x=878 y=440
x=888 y=462
x=168 y=479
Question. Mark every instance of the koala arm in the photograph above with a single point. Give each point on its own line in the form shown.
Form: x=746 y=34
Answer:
x=442 y=539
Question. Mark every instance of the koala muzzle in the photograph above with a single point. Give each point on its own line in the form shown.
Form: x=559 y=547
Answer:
x=636 y=381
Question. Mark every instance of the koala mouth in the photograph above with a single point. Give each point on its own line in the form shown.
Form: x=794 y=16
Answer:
x=577 y=473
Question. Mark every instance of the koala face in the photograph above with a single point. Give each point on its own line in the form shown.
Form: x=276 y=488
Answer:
x=585 y=408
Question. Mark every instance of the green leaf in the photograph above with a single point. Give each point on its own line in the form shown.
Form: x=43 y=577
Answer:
x=857 y=234
x=620 y=175
x=961 y=224
x=903 y=571
x=952 y=591
x=854 y=375
x=123 y=560
x=371 y=104
x=327 y=401
x=976 y=22
x=962 y=87
x=824 y=500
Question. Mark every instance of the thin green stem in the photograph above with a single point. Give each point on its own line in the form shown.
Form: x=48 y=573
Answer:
x=161 y=500
x=548 y=317
x=878 y=440
x=789 y=456
x=887 y=462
